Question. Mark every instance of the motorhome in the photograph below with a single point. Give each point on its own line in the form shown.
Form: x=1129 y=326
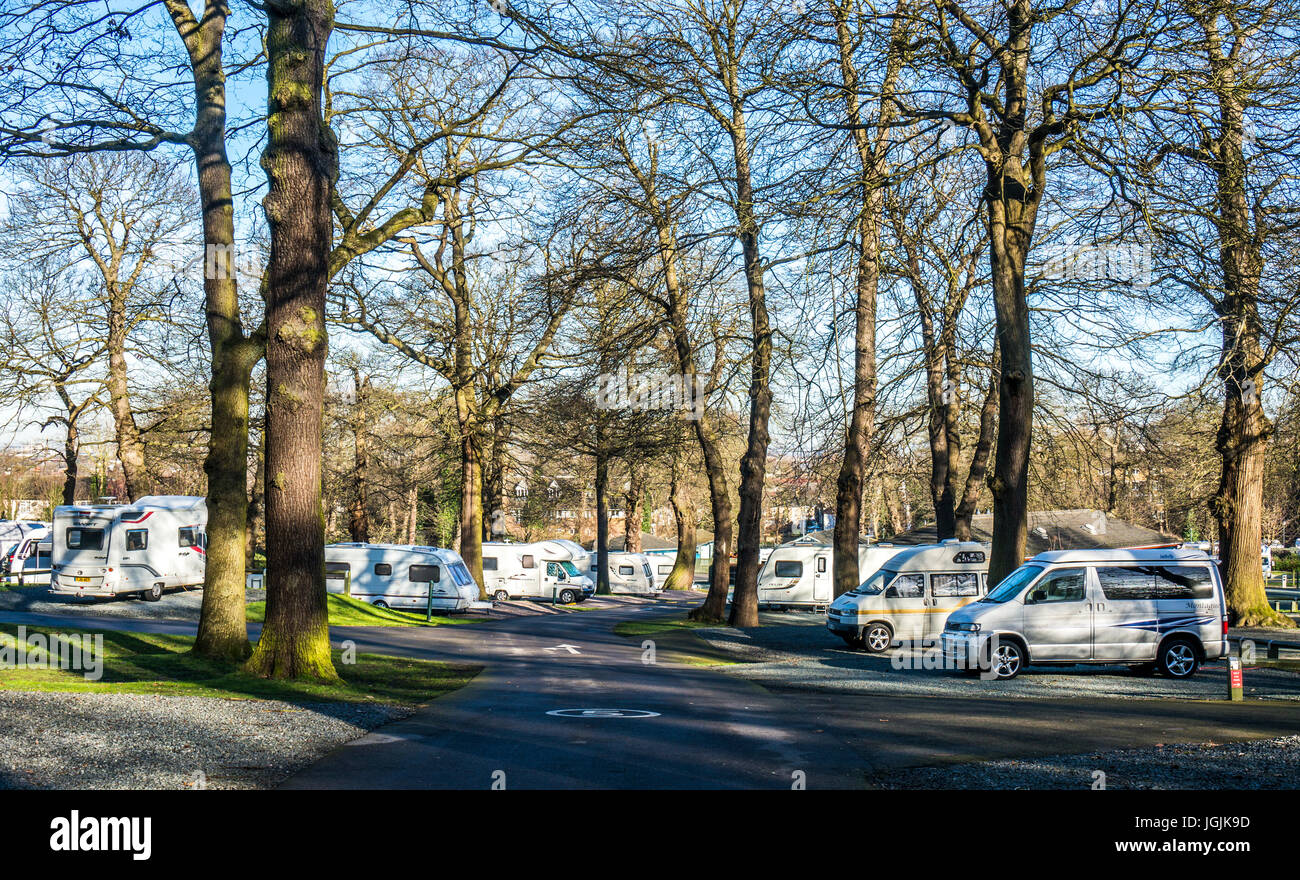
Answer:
x=14 y=532
x=401 y=576
x=155 y=544
x=911 y=595
x=632 y=573
x=801 y=574
x=550 y=570
x=28 y=564
x=1159 y=610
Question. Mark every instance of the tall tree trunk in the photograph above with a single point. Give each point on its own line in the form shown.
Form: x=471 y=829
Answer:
x=983 y=446
x=602 y=510
x=358 y=511
x=413 y=512
x=222 y=632
x=256 y=503
x=632 y=508
x=871 y=156
x=471 y=497
x=682 y=576
x=301 y=164
x=753 y=464
x=130 y=449
x=71 y=451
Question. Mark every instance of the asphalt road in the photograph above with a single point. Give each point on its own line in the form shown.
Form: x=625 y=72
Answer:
x=710 y=729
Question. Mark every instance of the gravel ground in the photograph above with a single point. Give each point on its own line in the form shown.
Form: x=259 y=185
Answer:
x=796 y=651
x=137 y=741
x=1270 y=763
x=176 y=605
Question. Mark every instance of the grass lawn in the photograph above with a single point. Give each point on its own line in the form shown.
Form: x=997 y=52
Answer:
x=658 y=625
x=143 y=663
x=345 y=611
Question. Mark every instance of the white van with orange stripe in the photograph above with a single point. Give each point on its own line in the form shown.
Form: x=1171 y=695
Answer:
x=910 y=597
x=158 y=543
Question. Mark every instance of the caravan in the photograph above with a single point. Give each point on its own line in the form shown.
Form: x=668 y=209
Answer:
x=28 y=563
x=910 y=597
x=400 y=576
x=801 y=574
x=155 y=544
x=551 y=570
x=630 y=573
x=17 y=532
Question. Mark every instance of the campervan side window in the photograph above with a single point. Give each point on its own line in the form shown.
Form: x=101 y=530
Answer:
x=625 y=570
x=423 y=574
x=786 y=568
x=137 y=539
x=190 y=536
x=1066 y=585
x=1134 y=583
x=528 y=562
x=85 y=539
x=489 y=563
x=1184 y=582
x=906 y=586
x=383 y=569
x=964 y=584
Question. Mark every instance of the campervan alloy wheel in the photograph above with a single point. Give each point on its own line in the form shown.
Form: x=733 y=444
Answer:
x=501 y=596
x=1178 y=658
x=1007 y=660
x=877 y=637
x=153 y=594
x=567 y=597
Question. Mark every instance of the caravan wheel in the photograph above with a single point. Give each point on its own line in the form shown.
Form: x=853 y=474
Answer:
x=380 y=603
x=153 y=594
x=501 y=596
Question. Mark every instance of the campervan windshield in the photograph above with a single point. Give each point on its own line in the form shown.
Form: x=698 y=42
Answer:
x=1012 y=584
x=876 y=584
x=569 y=568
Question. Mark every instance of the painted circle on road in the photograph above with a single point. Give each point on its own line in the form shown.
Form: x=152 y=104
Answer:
x=603 y=713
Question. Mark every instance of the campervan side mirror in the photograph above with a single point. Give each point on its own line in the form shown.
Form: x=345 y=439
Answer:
x=891 y=593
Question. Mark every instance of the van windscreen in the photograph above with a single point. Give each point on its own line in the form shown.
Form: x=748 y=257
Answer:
x=1012 y=584
x=876 y=583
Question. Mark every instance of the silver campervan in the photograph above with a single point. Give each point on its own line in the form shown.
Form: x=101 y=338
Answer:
x=1161 y=610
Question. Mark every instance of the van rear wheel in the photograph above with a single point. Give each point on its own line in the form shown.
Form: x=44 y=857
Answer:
x=877 y=637
x=1179 y=659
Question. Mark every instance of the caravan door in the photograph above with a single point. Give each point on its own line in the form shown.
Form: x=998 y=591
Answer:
x=823 y=588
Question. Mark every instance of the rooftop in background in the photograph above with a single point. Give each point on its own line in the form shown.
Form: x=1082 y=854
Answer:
x=1081 y=529
x=650 y=542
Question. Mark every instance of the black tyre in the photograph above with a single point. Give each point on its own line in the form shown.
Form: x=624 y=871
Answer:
x=567 y=597
x=501 y=596
x=877 y=637
x=380 y=603
x=1178 y=658
x=153 y=594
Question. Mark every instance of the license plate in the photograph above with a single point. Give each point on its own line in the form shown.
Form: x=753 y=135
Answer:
x=82 y=580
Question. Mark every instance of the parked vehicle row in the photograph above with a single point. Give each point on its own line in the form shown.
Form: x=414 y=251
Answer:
x=401 y=576
x=1156 y=609
x=555 y=569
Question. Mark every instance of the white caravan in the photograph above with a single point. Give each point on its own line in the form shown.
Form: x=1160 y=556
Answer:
x=631 y=573
x=401 y=576
x=801 y=574
x=28 y=563
x=541 y=570
x=155 y=544
x=14 y=532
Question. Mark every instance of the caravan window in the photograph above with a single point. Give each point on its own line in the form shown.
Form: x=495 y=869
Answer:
x=528 y=562
x=489 y=563
x=460 y=574
x=786 y=568
x=137 y=539
x=821 y=563
x=665 y=569
x=423 y=574
x=964 y=584
x=191 y=536
x=383 y=569
x=625 y=570
x=85 y=539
